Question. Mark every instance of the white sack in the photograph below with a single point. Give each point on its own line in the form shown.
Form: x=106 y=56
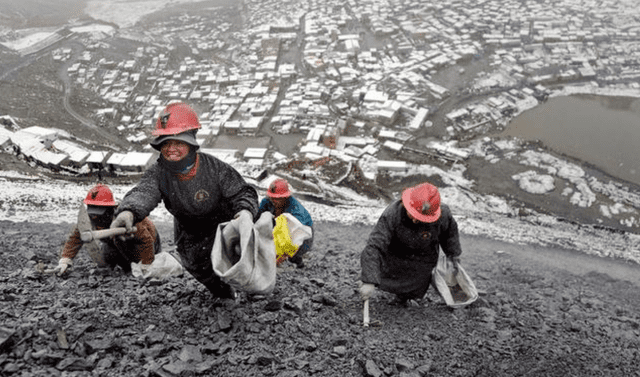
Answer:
x=297 y=230
x=164 y=265
x=244 y=255
x=457 y=290
x=297 y=233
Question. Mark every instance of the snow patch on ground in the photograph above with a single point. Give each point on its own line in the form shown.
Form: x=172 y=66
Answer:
x=453 y=176
x=621 y=90
x=582 y=188
x=534 y=183
x=582 y=195
x=126 y=13
x=27 y=41
x=40 y=200
x=95 y=29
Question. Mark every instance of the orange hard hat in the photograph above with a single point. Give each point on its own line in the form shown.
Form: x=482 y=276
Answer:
x=422 y=202
x=279 y=188
x=178 y=121
x=100 y=195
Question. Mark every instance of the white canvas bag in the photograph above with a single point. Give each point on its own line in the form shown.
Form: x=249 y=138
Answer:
x=296 y=234
x=457 y=290
x=164 y=265
x=246 y=258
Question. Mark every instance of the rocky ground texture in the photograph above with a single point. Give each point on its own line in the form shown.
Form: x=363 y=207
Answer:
x=541 y=312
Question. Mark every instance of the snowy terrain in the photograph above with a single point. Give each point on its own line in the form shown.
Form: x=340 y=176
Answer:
x=39 y=200
x=123 y=13
x=36 y=199
x=127 y=13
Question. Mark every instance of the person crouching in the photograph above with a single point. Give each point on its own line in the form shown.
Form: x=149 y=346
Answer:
x=278 y=201
x=403 y=247
x=137 y=247
x=199 y=190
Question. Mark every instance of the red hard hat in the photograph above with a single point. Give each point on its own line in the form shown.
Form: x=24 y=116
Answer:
x=177 y=121
x=422 y=202
x=279 y=188
x=100 y=195
x=176 y=118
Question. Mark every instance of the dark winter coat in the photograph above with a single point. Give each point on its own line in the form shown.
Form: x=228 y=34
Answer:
x=212 y=196
x=400 y=255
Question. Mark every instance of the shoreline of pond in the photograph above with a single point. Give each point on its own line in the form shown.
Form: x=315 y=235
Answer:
x=592 y=161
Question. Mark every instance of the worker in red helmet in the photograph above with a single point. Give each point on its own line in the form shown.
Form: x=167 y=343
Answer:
x=199 y=190
x=278 y=201
x=403 y=247
x=141 y=246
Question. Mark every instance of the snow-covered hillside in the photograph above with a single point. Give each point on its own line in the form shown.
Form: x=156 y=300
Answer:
x=39 y=200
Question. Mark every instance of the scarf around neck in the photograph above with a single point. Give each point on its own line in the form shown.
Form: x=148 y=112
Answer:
x=179 y=167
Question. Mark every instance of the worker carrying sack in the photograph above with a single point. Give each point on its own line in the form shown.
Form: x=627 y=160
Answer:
x=288 y=234
x=456 y=289
x=244 y=256
x=164 y=265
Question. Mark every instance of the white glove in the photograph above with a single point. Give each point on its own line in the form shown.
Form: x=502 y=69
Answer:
x=144 y=268
x=366 y=291
x=244 y=214
x=124 y=219
x=63 y=265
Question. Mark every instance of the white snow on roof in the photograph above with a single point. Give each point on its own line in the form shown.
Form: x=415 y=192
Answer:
x=27 y=41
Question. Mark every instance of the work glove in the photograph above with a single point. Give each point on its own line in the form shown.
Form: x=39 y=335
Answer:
x=244 y=214
x=123 y=220
x=366 y=291
x=144 y=268
x=63 y=265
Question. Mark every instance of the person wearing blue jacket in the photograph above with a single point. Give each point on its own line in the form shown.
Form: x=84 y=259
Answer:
x=279 y=201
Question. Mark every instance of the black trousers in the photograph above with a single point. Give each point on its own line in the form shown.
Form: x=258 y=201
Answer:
x=195 y=254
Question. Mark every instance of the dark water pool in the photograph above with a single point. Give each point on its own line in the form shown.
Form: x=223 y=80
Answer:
x=601 y=130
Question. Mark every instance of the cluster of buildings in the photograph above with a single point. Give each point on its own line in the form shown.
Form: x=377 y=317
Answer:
x=355 y=78
x=56 y=150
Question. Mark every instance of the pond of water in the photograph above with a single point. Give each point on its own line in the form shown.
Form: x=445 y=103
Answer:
x=603 y=131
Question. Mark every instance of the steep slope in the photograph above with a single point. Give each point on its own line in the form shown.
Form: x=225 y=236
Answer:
x=542 y=311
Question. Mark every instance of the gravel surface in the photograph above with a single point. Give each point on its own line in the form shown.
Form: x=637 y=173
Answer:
x=543 y=310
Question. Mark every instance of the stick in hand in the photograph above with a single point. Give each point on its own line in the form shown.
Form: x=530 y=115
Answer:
x=365 y=313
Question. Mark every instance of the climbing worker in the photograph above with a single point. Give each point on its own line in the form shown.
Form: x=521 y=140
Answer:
x=138 y=247
x=403 y=247
x=278 y=201
x=199 y=190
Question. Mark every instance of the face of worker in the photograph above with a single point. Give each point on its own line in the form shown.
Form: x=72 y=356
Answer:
x=174 y=150
x=278 y=202
x=415 y=221
x=102 y=220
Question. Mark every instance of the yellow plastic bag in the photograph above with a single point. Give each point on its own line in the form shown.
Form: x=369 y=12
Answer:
x=285 y=248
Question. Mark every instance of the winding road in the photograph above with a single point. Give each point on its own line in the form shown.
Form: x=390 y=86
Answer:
x=10 y=69
x=68 y=88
